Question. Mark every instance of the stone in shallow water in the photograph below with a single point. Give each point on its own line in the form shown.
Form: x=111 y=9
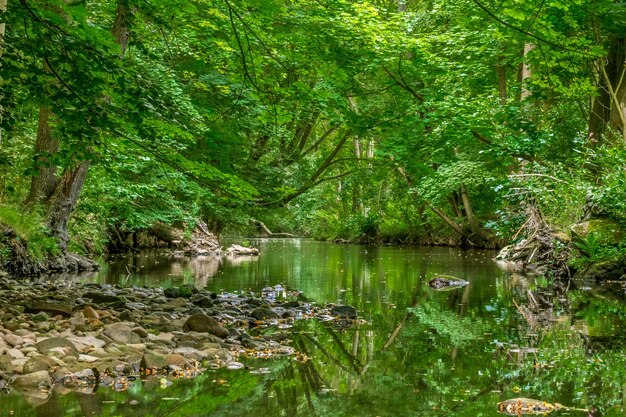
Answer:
x=344 y=311
x=39 y=379
x=152 y=361
x=205 y=324
x=190 y=353
x=262 y=313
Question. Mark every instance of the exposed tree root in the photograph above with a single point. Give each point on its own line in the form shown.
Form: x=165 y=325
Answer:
x=17 y=260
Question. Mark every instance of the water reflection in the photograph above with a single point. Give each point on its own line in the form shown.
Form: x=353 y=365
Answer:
x=421 y=352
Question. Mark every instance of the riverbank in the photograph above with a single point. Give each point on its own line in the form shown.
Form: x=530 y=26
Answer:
x=77 y=336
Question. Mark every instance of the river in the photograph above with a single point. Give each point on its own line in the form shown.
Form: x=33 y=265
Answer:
x=419 y=352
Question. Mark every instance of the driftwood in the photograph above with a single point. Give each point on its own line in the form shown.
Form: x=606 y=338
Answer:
x=236 y=250
x=542 y=250
x=266 y=232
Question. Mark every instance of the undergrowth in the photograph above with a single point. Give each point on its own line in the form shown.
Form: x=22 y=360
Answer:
x=29 y=228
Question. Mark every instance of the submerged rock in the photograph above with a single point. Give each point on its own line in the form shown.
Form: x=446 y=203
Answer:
x=446 y=282
x=344 y=312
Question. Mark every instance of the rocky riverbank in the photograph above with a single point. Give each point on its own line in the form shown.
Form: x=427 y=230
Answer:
x=77 y=336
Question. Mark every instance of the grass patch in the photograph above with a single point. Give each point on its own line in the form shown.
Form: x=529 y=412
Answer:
x=29 y=228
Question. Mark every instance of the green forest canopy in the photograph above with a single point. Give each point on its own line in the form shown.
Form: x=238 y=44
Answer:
x=433 y=121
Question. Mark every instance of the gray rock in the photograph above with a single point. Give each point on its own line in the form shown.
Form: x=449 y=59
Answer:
x=190 y=353
x=205 y=324
x=54 y=308
x=41 y=363
x=262 y=313
x=15 y=353
x=152 y=360
x=140 y=331
x=103 y=298
x=39 y=379
x=46 y=345
x=40 y=317
x=13 y=340
x=203 y=301
x=122 y=336
x=171 y=292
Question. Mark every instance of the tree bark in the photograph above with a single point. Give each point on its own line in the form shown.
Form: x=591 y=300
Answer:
x=609 y=106
x=62 y=202
x=475 y=227
x=526 y=71
x=501 y=71
x=120 y=29
x=3 y=8
x=43 y=183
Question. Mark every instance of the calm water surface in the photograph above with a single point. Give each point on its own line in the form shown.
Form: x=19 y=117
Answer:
x=421 y=352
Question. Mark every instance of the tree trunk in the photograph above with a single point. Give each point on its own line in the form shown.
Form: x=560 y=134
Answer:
x=501 y=70
x=3 y=8
x=608 y=108
x=120 y=29
x=166 y=233
x=63 y=200
x=44 y=181
x=475 y=227
x=526 y=71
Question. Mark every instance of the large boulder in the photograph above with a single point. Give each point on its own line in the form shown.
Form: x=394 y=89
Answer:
x=205 y=324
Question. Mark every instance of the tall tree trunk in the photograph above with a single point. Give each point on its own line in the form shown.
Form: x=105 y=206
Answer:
x=44 y=181
x=609 y=106
x=121 y=25
x=3 y=8
x=501 y=71
x=475 y=227
x=526 y=71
